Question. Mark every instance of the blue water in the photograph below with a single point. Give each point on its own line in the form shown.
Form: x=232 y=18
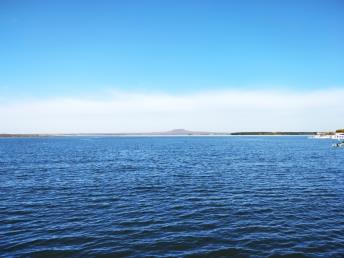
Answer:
x=171 y=196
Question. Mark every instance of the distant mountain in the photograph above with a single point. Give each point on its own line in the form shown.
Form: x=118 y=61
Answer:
x=182 y=132
x=178 y=131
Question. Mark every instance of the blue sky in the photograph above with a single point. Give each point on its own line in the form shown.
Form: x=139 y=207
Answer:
x=138 y=66
x=61 y=48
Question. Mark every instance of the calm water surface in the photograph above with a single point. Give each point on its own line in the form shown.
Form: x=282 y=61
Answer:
x=171 y=196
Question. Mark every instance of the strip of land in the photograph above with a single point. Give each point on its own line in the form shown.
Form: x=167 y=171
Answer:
x=274 y=133
x=174 y=132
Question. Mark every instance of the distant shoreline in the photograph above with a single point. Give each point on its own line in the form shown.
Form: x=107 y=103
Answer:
x=168 y=134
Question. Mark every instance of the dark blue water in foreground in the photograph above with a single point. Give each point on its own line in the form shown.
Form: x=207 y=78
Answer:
x=171 y=196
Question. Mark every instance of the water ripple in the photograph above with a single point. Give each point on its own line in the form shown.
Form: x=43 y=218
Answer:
x=171 y=197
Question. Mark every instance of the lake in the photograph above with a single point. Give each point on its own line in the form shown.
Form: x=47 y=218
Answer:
x=171 y=196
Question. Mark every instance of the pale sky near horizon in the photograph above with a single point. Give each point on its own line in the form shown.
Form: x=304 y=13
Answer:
x=117 y=66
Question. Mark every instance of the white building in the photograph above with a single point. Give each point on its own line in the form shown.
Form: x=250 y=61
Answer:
x=338 y=136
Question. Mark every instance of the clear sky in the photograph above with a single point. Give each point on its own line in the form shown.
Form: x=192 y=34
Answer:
x=73 y=49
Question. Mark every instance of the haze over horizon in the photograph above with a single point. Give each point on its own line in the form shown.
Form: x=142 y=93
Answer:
x=146 y=66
